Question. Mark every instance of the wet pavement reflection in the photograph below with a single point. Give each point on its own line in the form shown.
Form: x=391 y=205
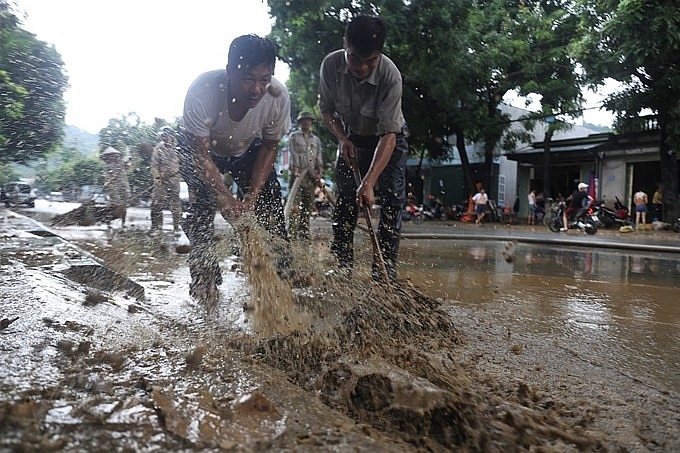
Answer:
x=622 y=307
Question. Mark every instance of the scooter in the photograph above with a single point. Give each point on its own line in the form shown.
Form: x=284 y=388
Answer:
x=434 y=209
x=581 y=219
x=609 y=217
x=414 y=213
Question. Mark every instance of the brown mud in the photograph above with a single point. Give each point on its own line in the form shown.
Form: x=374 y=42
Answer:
x=334 y=363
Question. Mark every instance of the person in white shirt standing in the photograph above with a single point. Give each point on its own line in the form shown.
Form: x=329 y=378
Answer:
x=532 y=207
x=480 y=199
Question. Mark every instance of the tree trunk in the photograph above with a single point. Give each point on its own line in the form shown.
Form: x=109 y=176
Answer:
x=465 y=162
x=546 y=162
x=668 y=160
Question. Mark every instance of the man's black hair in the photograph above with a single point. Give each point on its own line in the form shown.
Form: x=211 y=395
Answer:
x=249 y=51
x=366 y=34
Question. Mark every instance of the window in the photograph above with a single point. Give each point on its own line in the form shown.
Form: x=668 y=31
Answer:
x=501 y=191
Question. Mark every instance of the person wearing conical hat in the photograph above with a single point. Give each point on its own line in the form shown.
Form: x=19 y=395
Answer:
x=307 y=164
x=116 y=184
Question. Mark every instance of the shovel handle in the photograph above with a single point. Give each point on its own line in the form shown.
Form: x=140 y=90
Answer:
x=377 y=253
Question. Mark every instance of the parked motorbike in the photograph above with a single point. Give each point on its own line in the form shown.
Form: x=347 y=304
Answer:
x=456 y=211
x=413 y=213
x=434 y=209
x=324 y=208
x=608 y=217
x=582 y=219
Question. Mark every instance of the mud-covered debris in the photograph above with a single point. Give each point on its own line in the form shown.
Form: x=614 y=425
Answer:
x=134 y=308
x=83 y=348
x=256 y=405
x=87 y=214
x=66 y=346
x=102 y=278
x=95 y=298
x=182 y=249
x=5 y=322
x=194 y=358
x=376 y=357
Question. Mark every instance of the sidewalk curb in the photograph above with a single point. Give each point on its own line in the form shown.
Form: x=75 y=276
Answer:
x=89 y=270
x=608 y=244
x=607 y=239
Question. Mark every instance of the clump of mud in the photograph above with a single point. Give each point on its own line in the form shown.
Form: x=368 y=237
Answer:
x=380 y=354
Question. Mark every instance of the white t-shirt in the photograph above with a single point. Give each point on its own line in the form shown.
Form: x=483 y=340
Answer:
x=206 y=114
x=480 y=198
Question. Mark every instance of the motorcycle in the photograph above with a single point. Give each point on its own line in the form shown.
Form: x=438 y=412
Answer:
x=413 y=212
x=582 y=219
x=324 y=208
x=608 y=217
x=434 y=209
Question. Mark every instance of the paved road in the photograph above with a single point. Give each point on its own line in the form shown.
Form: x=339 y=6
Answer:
x=645 y=240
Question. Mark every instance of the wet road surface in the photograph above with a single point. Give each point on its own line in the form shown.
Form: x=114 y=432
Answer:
x=611 y=310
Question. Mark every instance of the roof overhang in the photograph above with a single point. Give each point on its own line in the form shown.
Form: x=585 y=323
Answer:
x=567 y=154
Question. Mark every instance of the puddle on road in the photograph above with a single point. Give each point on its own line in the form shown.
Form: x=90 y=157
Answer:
x=625 y=307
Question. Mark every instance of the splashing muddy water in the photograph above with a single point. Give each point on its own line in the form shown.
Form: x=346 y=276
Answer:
x=272 y=297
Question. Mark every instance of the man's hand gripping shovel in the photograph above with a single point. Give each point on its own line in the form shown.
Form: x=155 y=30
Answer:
x=377 y=253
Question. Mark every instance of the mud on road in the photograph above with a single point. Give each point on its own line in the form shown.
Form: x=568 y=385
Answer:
x=375 y=368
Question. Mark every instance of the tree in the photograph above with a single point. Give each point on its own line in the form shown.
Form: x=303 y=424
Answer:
x=424 y=40
x=637 y=43
x=135 y=140
x=304 y=32
x=69 y=175
x=458 y=59
x=32 y=83
x=550 y=69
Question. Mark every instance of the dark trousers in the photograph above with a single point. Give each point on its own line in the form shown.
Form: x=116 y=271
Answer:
x=199 y=223
x=391 y=189
x=298 y=224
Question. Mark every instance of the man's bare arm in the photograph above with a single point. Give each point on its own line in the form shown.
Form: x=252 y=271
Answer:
x=345 y=146
x=264 y=162
x=229 y=206
x=382 y=156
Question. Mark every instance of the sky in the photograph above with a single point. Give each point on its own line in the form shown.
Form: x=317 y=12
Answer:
x=141 y=55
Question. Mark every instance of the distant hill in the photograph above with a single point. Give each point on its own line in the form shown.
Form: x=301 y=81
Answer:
x=597 y=127
x=83 y=141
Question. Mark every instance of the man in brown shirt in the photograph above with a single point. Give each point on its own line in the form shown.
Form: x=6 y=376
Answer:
x=360 y=93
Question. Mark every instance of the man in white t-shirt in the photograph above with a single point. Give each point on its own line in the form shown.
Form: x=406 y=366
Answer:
x=232 y=123
x=480 y=199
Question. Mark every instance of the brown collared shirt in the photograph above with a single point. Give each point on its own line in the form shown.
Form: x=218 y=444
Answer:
x=368 y=107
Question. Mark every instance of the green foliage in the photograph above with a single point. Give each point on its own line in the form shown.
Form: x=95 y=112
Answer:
x=135 y=140
x=32 y=83
x=458 y=59
x=7 y=174
x=637 y=43
x=70 y=174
